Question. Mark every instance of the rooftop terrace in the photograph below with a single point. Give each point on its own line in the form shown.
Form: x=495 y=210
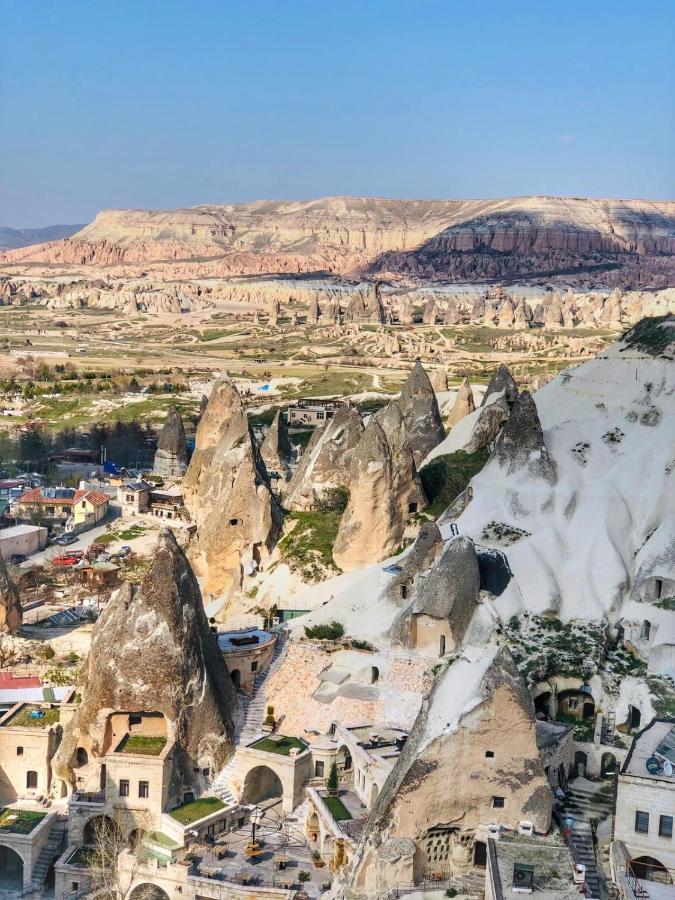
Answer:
x=19 y=821
x=279 y=743
x=141 y=745
x=32 y=715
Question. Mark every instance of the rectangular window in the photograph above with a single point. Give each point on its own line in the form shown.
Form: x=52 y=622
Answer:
x=143 y=789
x=135 y=719
x=498 y=803
x=666 y=826
x=489 y=754
x=254 y=665
x=319 y=768
x=124 y=787
x=642 y=822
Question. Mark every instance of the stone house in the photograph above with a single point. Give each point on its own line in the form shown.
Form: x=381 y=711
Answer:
x=643 y=853
x=134 y=497
x=29 y=736
x=246 y=653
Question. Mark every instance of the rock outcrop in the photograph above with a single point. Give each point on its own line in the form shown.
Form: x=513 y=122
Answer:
x=228 y=494
x=454 y=762
x=520 y=443
x=152 y=653
x=502 y=380
x=439 y=380
x=441 y=601
x=384 y=491
x=463 y=405
x=420 y=411
x=326 y=461
x=171 y=455
x=428 y=544
x=11 y=615
x=276 y=448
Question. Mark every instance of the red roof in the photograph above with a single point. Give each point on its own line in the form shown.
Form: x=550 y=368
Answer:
x=35 y=496
x=9 y=680
x=96 y=498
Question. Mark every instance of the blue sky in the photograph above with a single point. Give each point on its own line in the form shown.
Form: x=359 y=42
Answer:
x=141 y=103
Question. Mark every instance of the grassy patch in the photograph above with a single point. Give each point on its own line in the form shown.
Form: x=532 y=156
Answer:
x=280 y=744
x=337 y=808
x=650 y=336
x=446 y=477
x=308 y=548
x=19 y=821
x=85 y=857
x=197 y=809
x=134 y=531
x=159 y=839
x=24 y=719
x=142 y=744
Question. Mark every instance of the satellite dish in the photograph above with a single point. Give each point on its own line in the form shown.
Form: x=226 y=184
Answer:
x=653 y=766
x=667 y=768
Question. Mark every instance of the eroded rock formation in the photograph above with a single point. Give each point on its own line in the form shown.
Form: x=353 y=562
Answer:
x=171 y=455
x=502 y=380
x=11 y=615
x=276 y=448
x=453 y=764
x=520 y=443
x=326 y=462
x=384 y=491
x=463 y=405
x=419 y=408
x=152 y=653
x=228 y=494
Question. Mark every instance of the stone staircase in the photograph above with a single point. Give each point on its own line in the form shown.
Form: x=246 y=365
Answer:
x=585 y=802
x=53 y=847
x=254 y=710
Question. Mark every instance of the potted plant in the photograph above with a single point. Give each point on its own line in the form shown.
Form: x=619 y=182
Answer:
x=332 y=783
x=304 y=877
x=318 y=861
x=269 y=722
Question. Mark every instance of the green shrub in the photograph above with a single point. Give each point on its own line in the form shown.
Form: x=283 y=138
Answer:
x=331 y=632
x=304 y=877
x=332 y=782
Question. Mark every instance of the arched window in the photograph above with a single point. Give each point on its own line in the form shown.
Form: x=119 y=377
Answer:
x=374 y=674
x=646 y=630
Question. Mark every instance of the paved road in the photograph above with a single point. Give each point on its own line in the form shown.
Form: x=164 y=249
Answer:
x=83 y=541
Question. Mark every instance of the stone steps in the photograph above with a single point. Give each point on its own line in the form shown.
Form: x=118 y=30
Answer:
x=52 y=848
x=250 y=728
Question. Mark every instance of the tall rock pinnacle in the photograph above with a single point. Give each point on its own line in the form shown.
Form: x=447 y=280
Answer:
x=171 y=455
x=228 y=495
x=152 y=652
x=421 y=415
x=10 y=604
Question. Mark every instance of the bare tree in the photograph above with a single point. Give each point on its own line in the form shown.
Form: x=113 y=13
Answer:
x=108 y=880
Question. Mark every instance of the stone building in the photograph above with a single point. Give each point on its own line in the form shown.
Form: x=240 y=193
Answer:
x=440 y=601
x=246 y=653
x=643 y=855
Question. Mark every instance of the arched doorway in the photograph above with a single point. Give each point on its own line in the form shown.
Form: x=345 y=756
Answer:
x=374 y=794
x=11 y=870
x=647 y=868
x=480 y=854
x=136 y=838
x=260 y=784
x=374 y=674
x=344 y=759
x=101 y=829
x=577 y=703
x=608 y=765
x=235 y=675
x=148 y=892
x=542 y=704
x=81 y=757
x=313 y=826
x=634 y=718
x=580 y=763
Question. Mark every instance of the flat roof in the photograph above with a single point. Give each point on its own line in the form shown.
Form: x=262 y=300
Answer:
x=17 y=530
x=548 y=858
x=652 y=754
x=225 y=639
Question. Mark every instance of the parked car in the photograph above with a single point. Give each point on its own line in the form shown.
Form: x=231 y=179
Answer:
x=124 y=551
x=65 y=540
x=17 y=559
x=65 y=560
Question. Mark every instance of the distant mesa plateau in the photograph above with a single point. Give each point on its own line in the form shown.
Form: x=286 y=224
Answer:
x=624 y=243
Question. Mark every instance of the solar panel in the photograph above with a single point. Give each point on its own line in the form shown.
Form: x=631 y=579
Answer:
x=666 y=748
